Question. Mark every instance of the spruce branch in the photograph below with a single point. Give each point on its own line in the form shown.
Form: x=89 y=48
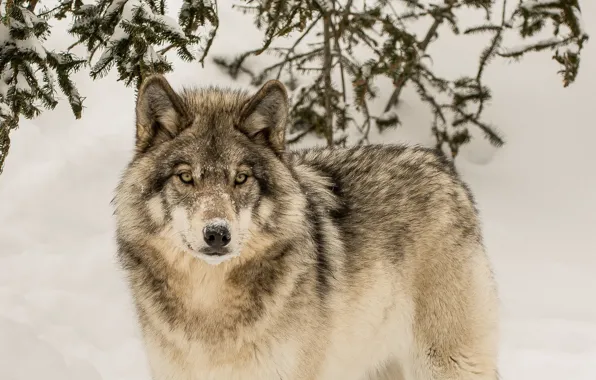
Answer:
x=132 y=36
x=28 y=71
x=568 y=33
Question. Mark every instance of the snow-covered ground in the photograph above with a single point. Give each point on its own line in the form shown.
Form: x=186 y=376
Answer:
x=64 y=309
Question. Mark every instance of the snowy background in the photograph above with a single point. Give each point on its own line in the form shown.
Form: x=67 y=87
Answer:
x=64 y=308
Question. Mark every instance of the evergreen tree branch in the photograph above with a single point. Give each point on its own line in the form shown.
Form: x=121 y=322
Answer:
x=50 y=11
x=135 y=37
x=409 y=69
x=564 y=15
x=536 y=47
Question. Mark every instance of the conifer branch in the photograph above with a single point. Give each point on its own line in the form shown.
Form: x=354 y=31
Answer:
x=127 y=34
x=136 y=37
x=407 y=71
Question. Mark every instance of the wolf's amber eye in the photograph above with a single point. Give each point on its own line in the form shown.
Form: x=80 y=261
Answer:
x=185 y=177
x=240 y=178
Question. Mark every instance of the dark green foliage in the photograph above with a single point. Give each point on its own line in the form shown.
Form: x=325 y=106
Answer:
x=132 y=35
x=28 y=71
x=129 y=32
x=568 y=38
x=326 y=36
x=381 y=31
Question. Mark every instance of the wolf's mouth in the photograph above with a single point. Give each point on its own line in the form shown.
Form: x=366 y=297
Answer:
x=208 y=251
x=210 y=255
x=215 y=252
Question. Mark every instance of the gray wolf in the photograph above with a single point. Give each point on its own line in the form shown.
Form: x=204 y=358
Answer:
x=248 y=261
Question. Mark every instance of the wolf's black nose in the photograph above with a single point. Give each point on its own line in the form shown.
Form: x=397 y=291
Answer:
x=216 y=235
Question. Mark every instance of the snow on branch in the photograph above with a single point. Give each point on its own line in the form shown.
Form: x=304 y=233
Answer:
x=568 y=33
x=315 y=57
x=135 y=35
x=132 y=35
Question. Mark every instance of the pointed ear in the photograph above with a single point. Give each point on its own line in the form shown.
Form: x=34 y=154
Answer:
x=263 y=117
x=160 y=112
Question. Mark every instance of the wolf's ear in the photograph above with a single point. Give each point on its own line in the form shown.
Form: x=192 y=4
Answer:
x=263 y=118
x=160 y=113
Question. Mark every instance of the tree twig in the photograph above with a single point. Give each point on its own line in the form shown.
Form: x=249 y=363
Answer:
x=50 y=10
x=296 y=43
x=327 y=75
x=211 y=37
x=32 y=5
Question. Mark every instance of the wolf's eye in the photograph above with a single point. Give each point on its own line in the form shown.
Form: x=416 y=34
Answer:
x=240 y=178
x=185 y=177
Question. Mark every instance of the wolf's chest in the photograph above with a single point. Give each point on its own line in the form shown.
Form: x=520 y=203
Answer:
x=182 y=359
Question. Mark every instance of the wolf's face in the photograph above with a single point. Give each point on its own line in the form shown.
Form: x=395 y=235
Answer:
x=206 y=193
x=204 y=165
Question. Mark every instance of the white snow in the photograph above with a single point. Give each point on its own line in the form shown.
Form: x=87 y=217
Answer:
x=119 y=34
x=22 y=84
x=4 y=109
x=517 y=49
x=33 y=44
x=169 y=23
x=531 y=4
x=5 y=78
x=128 y=10
x=116 y=4
x=151 y=56
x=65 y=310
x=3 y=88
x=106 y=55
x=28 y=16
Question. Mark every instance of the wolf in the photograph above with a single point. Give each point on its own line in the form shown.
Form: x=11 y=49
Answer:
x=246 y=260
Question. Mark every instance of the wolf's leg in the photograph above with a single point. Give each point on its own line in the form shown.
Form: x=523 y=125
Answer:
x=451 y=367
x=455 y=327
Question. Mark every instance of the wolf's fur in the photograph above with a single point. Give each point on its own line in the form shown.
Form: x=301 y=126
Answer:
x=344 y=264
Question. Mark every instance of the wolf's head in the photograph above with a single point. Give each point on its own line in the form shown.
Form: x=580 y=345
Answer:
x=209 y=169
